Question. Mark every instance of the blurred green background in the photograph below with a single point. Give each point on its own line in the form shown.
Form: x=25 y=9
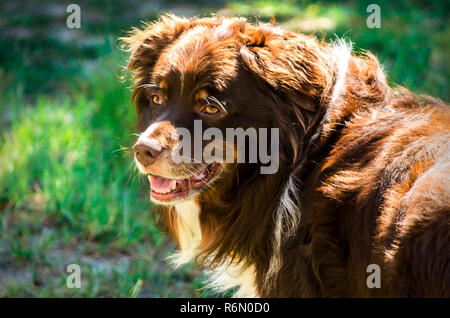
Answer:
x=69 y=192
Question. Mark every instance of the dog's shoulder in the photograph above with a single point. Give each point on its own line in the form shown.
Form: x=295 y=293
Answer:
x=387 y=175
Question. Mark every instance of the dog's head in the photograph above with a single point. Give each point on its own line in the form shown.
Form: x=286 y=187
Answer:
x=195 y=74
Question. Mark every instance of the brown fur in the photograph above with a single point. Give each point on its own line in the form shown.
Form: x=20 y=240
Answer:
x=368 y=166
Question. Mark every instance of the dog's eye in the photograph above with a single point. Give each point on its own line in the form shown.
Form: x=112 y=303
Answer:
x=210 y=110
x=156 y=99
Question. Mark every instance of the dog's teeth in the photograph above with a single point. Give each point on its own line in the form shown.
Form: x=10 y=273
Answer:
x=174 y=185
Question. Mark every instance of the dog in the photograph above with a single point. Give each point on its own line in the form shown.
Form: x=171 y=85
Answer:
x=359 y=203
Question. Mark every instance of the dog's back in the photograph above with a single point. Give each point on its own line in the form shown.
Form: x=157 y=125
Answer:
x=382 y=198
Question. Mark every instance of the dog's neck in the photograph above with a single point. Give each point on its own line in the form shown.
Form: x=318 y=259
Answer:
x=223 y=276
x=359 y=84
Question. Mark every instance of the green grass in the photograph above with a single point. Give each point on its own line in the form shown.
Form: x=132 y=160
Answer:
x=69 y=192
x=63 y=157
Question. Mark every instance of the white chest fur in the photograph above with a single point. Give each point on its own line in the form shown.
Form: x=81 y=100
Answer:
x=221 y=278
x=188 y=231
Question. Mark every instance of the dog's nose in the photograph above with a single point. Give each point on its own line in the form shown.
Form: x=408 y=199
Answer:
x=146 y=152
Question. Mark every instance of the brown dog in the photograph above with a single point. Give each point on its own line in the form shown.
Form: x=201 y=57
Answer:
x=360 y=203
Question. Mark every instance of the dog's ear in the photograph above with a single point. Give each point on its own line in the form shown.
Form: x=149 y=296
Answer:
x=294 y=65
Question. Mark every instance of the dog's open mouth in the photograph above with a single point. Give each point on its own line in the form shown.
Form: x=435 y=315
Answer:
x=167 y=190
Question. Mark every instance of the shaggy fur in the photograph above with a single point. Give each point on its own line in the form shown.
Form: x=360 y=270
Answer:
x=364 y=169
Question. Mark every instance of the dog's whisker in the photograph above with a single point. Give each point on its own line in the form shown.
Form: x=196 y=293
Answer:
x=133 y=174
x=204 y=165
x=126 y=150
x=216 y=101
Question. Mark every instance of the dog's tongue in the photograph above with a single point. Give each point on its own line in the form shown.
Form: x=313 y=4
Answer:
x=160 y=184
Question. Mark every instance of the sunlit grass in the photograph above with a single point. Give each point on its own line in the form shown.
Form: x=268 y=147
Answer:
x=61 y=157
